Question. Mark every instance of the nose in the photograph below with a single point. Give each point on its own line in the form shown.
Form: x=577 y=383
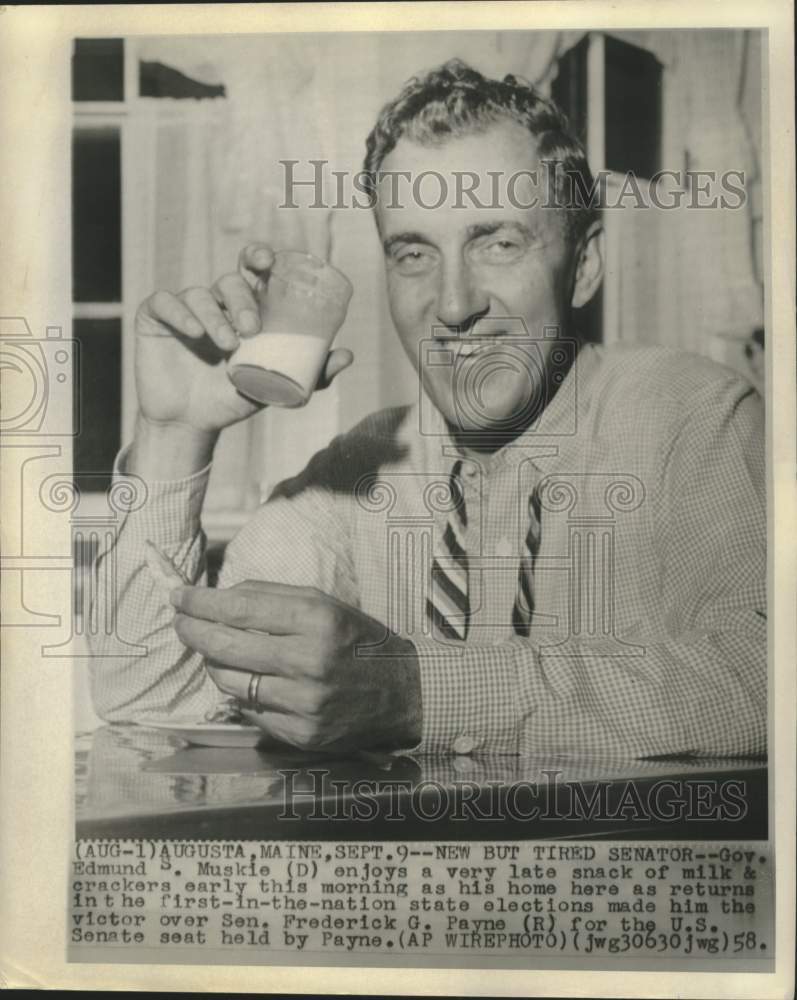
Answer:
x=460 y=302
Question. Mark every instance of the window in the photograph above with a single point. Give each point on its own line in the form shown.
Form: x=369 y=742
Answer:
x=106 y=81
x=616 y=88
x=99 y=89
x=98 y=69
x=611 y=92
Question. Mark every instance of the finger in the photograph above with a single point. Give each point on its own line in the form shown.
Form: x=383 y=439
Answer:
x=274 y=694
x=337 y=361
x=165 y=308
x=233 y=293
x=276 y=608
x=206 y=309
x=254 y=652
x=291 y=729
x=278 y=725
x=256 y=260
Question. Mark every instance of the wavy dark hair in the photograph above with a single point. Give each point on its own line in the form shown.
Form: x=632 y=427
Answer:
x=455 y=100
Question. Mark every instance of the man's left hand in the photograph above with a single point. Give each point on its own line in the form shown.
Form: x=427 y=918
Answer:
x=329 y=676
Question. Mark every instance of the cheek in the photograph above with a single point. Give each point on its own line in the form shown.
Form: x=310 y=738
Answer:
x=407 y=304
x=540 y=293
x=405 y=294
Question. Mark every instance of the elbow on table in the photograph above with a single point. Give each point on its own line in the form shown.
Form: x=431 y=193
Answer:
x=113 y=703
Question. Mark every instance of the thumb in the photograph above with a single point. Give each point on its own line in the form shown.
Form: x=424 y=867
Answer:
x=337 y=361
x=255 y=261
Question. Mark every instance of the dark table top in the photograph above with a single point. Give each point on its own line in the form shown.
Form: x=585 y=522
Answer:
x=132 y=781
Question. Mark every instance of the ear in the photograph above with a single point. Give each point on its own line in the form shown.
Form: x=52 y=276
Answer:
x=589 y=266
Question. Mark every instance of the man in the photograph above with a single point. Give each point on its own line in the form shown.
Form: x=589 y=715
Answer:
x=574 y=539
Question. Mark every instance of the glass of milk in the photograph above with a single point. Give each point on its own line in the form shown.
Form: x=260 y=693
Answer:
x=303 y=304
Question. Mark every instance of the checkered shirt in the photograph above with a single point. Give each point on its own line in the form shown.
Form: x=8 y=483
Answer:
x=649 y=630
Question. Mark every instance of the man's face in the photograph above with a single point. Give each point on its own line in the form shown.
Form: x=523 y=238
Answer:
x=473 y=277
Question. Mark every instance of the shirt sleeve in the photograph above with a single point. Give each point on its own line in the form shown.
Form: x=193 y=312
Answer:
x=138 y=666
x=702 y=690
x=300 y=537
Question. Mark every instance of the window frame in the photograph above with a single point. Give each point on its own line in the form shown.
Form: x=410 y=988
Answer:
x=221 y=524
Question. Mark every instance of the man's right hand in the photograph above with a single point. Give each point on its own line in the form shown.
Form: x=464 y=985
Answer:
x=183 y=342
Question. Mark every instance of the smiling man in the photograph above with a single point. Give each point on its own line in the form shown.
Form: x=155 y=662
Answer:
x=561 y=547
x=476 y=274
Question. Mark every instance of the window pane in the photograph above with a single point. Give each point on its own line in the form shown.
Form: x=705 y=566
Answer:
x=96 y=215
x=633 y=109
x=98 y=72
x=631 y=103
x=98 y=394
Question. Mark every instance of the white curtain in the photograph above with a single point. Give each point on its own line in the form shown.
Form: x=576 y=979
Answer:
x=692 y=279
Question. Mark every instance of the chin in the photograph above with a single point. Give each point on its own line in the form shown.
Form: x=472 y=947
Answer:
x=488 y=426
x=494 y=411
x=484 y=421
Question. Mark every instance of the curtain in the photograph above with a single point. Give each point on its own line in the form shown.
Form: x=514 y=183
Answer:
x=692 y=279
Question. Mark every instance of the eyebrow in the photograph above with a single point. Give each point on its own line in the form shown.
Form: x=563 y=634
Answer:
x=488 y=228
x=473 y=232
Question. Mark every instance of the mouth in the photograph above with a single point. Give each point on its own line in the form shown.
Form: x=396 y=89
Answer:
x=471 y=344
x=484 y=335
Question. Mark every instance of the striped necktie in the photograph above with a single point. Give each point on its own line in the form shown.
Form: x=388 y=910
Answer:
x=447 y=606
x=523 y=610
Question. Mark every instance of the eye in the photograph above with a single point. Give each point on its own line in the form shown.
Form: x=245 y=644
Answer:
x=502 y=247
x=500 y=250
x=413 y=260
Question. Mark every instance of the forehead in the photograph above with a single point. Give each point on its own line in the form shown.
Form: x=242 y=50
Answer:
x=430 y=185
